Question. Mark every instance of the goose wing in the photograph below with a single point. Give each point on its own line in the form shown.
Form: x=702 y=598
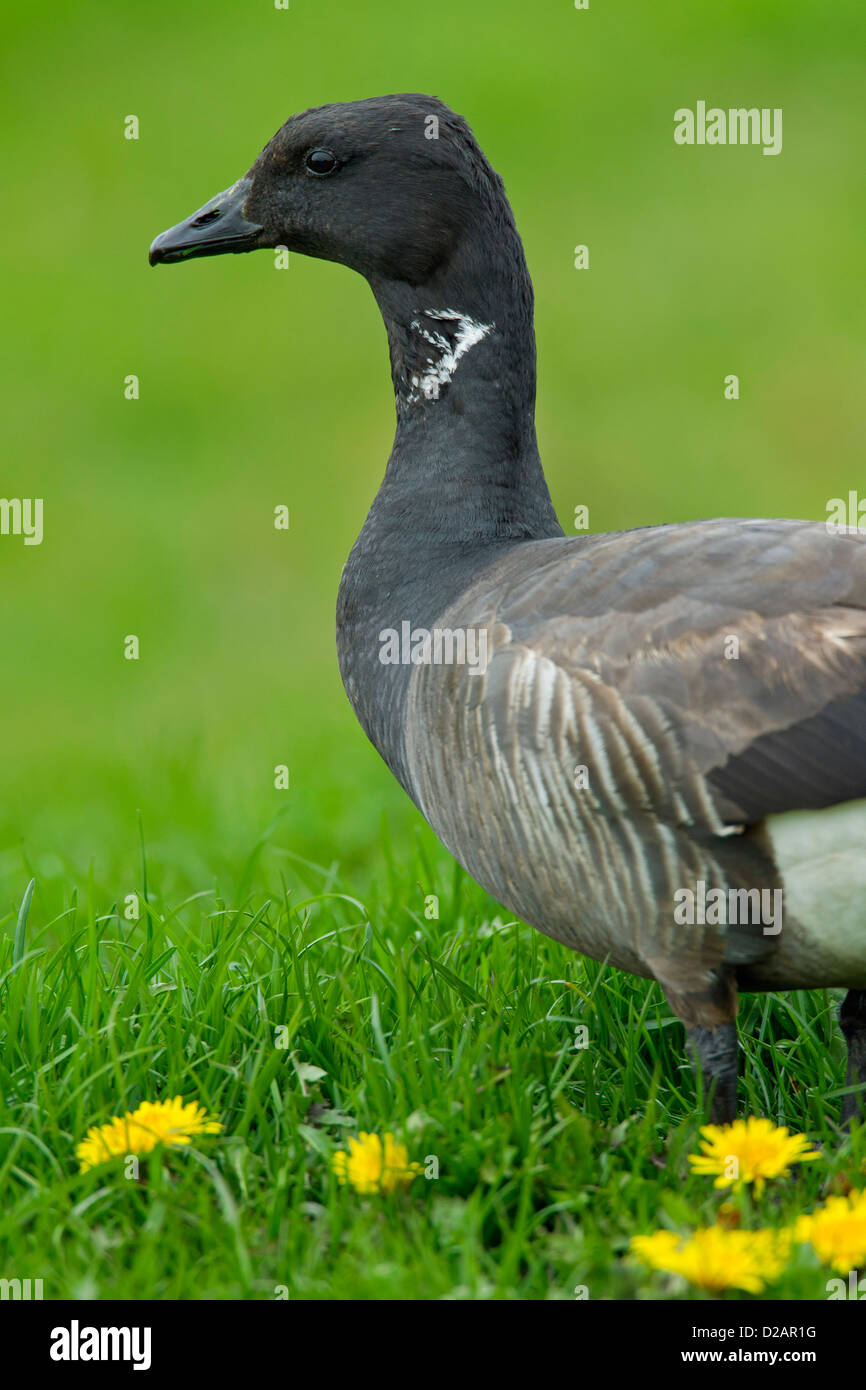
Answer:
x=701 y=677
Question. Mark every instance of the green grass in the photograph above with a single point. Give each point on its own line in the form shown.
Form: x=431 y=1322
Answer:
x=261 y=387
x=457 y=1034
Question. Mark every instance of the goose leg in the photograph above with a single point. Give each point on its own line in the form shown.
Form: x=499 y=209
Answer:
x=715 y=1051
x=852 y=1018
x=707 y=1005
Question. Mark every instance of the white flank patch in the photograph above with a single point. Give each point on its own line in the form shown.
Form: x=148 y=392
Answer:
x=441 y=370
x=822 y=859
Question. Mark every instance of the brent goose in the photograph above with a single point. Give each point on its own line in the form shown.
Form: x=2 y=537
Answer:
x=651 y=745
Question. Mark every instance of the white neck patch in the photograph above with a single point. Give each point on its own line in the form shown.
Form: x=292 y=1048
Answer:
x=439 y=371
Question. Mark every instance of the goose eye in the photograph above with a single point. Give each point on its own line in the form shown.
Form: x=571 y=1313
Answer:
x=321 y=162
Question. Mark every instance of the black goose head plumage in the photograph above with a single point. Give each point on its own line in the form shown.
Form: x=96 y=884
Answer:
x=396 y=188
x=387 y=186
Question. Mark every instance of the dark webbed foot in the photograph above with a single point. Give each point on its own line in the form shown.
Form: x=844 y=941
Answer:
x=852 y=1019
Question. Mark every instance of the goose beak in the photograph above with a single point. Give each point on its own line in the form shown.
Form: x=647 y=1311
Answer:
x=218 y=227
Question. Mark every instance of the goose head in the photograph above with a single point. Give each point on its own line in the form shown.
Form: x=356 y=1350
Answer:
x=387 y=186
x=397 y=188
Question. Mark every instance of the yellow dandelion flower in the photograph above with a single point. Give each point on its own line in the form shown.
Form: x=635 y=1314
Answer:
x=657 y=1249
x=749 y=1151
x=715 y=1259
x=837 y=1231
x=371 y=1166
x=139 y=1131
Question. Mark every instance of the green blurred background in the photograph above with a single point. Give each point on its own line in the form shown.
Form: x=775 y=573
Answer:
x=261 y=387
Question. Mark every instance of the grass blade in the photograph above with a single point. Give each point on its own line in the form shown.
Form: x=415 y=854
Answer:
x=21 y=924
